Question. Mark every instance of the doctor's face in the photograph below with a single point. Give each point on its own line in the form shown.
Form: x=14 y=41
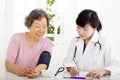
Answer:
x=85 y=32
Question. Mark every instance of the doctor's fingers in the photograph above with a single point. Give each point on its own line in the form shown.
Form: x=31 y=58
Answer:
x=99 y=73
x=94 y=75
x=76 y=69
x=91 y=74
x=73 y=72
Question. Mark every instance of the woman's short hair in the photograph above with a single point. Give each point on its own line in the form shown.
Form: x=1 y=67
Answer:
x=89 y=16
x=36 y=14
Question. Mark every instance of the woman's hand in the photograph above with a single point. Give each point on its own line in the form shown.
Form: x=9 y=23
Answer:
x=98 y=73
x=33 y=74
x=37 y=71
x=20 y=71
x=73 y=70
x=23 y=71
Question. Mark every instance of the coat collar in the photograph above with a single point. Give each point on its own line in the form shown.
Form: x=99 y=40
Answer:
x=95 y=36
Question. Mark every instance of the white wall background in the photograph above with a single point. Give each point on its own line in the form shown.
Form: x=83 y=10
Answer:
x=13 y=12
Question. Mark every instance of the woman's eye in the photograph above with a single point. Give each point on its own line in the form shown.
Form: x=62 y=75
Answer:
x=44 y=27
x=37 y=26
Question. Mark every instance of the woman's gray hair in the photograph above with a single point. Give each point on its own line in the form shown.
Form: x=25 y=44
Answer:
x=36 y=14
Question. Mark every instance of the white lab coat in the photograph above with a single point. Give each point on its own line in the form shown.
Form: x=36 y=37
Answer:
x=93 y=57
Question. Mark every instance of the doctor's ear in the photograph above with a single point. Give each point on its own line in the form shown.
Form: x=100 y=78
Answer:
x=95 y=29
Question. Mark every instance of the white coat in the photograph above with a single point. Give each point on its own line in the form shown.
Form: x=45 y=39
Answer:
x=93 y=57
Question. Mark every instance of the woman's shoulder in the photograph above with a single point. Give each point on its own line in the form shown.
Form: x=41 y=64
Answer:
x=18 y=36
x=46 y=40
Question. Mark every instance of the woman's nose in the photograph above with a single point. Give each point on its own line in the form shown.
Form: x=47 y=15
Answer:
x=42 y=30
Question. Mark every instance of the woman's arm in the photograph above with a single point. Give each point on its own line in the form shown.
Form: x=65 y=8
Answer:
x=11 y=67
x=43 y=63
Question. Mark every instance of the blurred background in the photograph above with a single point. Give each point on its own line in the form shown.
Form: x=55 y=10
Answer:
x=63 y=27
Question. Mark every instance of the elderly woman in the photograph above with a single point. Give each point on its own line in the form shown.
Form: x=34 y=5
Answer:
x=29 y=52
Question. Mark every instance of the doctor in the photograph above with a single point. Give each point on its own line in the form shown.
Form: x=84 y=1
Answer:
x=90 y=51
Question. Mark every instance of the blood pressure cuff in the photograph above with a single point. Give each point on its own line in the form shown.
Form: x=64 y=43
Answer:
x=44 y=58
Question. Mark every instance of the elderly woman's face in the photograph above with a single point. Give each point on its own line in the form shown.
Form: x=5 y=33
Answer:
x=38 y=28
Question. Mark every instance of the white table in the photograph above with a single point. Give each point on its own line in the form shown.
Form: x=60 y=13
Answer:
x=5 y=75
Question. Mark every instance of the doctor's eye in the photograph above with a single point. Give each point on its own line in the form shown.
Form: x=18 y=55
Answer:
x=78 y=27
x=85 y=29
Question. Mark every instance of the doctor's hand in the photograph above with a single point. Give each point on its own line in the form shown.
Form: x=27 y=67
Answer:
x=73 y=70
x=98 y=73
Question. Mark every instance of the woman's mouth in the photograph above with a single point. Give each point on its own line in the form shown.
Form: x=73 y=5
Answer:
x=39 y=34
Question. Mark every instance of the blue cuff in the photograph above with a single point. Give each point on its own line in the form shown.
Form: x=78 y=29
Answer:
x=44 y=58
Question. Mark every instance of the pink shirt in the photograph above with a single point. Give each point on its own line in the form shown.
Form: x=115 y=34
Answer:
x=20 y=52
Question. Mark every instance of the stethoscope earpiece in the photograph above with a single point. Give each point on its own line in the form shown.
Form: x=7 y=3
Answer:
x=98 y=44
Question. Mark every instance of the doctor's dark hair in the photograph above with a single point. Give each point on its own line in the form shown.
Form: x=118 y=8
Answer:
x=89 y=16
x=36 y=14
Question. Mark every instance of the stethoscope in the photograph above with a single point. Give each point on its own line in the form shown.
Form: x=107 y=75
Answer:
x=96 y=43
x=95 y=59
x=61 y=69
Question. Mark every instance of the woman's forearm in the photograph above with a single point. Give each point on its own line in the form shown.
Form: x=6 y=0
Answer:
x=40 y=67
x=11 y=67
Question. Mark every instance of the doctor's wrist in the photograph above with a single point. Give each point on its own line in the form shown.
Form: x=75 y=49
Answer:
x=107 y=72
x=69 y=69
x=73 y=71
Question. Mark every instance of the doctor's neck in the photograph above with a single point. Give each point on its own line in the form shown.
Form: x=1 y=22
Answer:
x=86 y=41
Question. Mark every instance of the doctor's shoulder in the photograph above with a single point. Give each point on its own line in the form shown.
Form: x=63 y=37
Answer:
x=73 y=42
x=105 y=42
x=75 y=39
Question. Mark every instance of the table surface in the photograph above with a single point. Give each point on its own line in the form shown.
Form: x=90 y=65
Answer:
x=5 y=75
